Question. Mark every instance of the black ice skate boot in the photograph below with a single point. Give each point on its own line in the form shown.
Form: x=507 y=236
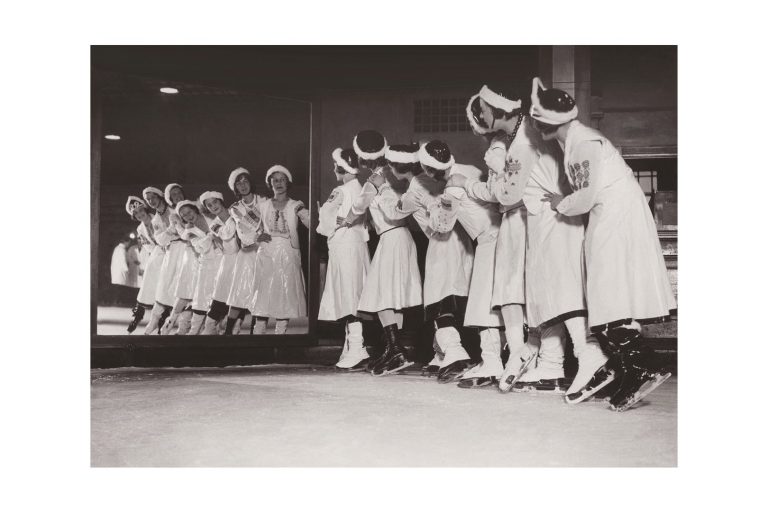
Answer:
x=638 y=373
x=163 y=317
x=138 y=314
x=394 y=357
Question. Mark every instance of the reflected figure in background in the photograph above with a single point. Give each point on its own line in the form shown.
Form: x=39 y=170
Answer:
x=224 y=233
x=248 y=226
x=280 y=290
x=348 y=260
x=166 y=226
x=139 y=211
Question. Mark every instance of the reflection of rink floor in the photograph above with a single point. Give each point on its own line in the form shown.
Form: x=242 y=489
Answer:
x=115 y=320
x=277 y=415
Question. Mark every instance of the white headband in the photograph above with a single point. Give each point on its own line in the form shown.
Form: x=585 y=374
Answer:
x=548 y=116
x=153 y=190
x=498 y=101
x=130 y=204
x=168 y=189
x=234 y=175
x=278 y=168
x=211 y=194
x=186 y=202
x=368 y=156
x=341 y=162
x=401 y=157
x=471 y=117
x=427 y=159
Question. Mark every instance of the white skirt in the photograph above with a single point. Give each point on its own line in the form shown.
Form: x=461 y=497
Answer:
x=393 y=281
x=344 y=280
x=626 y=273
x=448 y=266
x=509 y=269
x=480 y=312
x=280 y=291
x=169 y=273
x=206 y=277
x=151 y=276
x=224 y=275
x=185 y=288
x=244 y=279
x=554 y=269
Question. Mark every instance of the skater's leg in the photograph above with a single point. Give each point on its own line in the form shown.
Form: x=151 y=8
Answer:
x=356 y=356
x=259 y=324
x=455 y=361
x=281 y=325
x=520 y=356
x=233 y=316
x=178 y=307
x=198 y=317
x=138 y=314
x=490 y=369
x=394 y=358
x=185 y=322
x=592 y=363
x=158 y=315
x=549 y=374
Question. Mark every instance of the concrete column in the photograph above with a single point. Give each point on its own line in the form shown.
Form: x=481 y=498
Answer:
x=568 y=68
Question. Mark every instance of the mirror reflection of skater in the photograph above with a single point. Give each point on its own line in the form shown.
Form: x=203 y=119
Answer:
x=348 y=260
x=225 y=235
x=280 y=290
x=627 y=282
x=393 y=282
x=167 y=226
x=247 y=217
x=139 y=211
x=448 y=266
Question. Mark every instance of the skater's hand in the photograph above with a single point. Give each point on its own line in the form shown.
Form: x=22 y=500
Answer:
x=456 y=180
x=264 y=237
x=376 y=180
x=553 y=199
x=341 y=222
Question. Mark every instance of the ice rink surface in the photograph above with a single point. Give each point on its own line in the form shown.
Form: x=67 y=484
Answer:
x=311 y=416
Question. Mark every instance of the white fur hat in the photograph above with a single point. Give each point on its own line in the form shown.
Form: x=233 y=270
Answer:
x=558 y=109
x=211 y=194
x=132 y=203
x=498 y=101
x=278 y=168
x=427 y=159
x=168 y=189
x=471 y=117
x=234 y=175
x=373 y=142
x=186 y=202
x=341 y=162
x=153 y=190
x=401 y=157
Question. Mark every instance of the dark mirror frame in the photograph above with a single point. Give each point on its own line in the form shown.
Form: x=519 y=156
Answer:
x=111 y=351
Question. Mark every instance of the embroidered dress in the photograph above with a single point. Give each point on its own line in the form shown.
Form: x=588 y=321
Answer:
x=152 y=264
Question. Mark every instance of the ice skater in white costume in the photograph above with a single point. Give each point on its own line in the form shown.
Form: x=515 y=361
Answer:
x=526 y=170
x=280 y=291
x=247 y=217
x=481 y=220
x=207 y=245
x=627 y=282
x=448 y=267
x=348 y=260
x=167 y=226
x=138 y=209
x=394 y=281
x=188 y=274
x=225 y=235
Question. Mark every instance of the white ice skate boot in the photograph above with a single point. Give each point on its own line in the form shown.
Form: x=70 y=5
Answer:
x=281 y=326
x=209 y=327
x=487 y=373
x=455 y=361
x=593 y=370
x=185 y=322
x=167 y=327
x=548 y=376
x=197 y=324
x=517 y=364
x=259 y=325
x=356 y=356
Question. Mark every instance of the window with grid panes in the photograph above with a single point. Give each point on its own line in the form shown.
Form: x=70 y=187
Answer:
x=440 y=115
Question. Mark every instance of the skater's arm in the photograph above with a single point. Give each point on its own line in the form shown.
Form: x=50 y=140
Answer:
x=584 y=175
x=302 y=213
x=228 y=229
x=444 y=213
x=509 y=185
x=387 y=201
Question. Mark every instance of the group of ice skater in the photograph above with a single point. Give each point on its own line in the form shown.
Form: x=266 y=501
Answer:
x=554 y=239
x=211 y=266
x=556 y=235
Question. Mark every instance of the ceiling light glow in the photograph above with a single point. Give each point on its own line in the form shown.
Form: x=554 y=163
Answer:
x=169 y=90
x=112 y=137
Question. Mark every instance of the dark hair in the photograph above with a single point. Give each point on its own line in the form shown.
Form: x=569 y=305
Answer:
x=250 y=183
x=350 y=157
x=440 y=152
x=556 y=100
x=288 y=184
x=402 y=168
x=197 y=208
x=514 y=93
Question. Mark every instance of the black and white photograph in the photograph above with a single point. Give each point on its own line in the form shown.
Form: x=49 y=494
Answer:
x=384 y=256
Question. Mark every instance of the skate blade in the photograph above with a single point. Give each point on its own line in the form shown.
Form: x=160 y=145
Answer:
x=430 y=371
x=453 y=377
x=477 y=382
x=540 y=388
x=507 y=384
x=395 y=370
x=642 y=392
x=586 y=395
